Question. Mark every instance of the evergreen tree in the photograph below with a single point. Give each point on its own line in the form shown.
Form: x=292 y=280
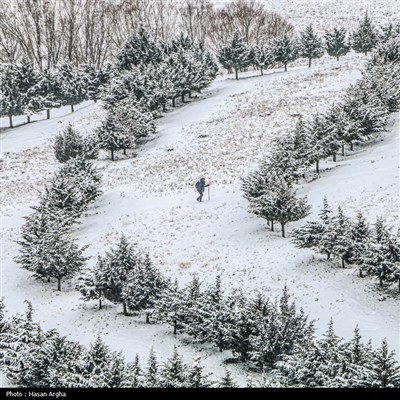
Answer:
x=71 y=85
x=135 y=374
x=50 y=91
x=310 y=45
x=111 y=138
x=151 y=378
x=91 y=287
x=285 y=50
x=360 y=234
x=227 y=381
x=341 y=228
x=143 y=287
x=70 y=144
x=364 y=38
x=11 y=98
x=384 y=370
x=196 y=378
x=336 y=43
x=173 y=372
x=235 y=54
x=115 y=269
x=264 y=57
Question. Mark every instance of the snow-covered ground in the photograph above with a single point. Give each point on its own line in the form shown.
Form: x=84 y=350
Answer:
x=151 y=199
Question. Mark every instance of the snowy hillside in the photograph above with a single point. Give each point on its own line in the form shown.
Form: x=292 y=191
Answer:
x=150 y=198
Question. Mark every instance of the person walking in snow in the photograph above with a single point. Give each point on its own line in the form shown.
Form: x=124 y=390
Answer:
x=200 y=187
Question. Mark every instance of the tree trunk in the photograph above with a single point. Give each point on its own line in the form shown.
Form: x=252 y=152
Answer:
x=334 y=157
x=236 y=75
x=343 y=265
x=48 y=113
x=337 y=58
x=72 y=108
x=100 y=304
x=147 y=318
x=59 y=284
x=360 y=274
x=11 y=121
x=125 y=309
x=366 y=53
x=48 y=279
x=317 y=166
x=262 y=71
x=283 y=229
x=183 y=97
x=175 y=327
x=190 y=95
x=272 y=225
x=309 y=63
x=95 y=99
x=112 y=155
x=173 y=102
x=28 y=118
x=399 y=285
x=380 y=281
x=343 y=154
x=220 y=348
x=124 y=152
x=285 y=67
x=351 y=146
x=328 y=256
x=268 y=222
x=164 y=108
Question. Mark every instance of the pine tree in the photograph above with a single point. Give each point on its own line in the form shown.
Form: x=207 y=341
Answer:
x=173 y=372
x=151 y=378
x=227 y=381
x=91 y=286
x=50 y=91
x=360 y=234
x=384 y=369
x=326 y=241
x=143 y=287
x=135 y=374
x=235 y=54
x=285 y=49
x=110 y=136
x=70 y=144
x=263 y=56
x=310 y=45
x=364 y=38
x=196 y=378
x=341 y=232
x=114 y=270
x=71 y=85
x=11 y=98
x=336 y=43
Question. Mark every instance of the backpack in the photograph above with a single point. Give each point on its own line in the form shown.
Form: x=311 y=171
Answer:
x=197 y=186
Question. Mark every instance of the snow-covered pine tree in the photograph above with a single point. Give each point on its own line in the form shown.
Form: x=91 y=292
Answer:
x=285 y=206
x=49 y=90
x=215 y=318
x=133 y=121
x=11 y=98
x=341 y=228
x=235 y=54
x=91 y=81
x=114 y=269
x=325 y=244
x=134 y=374
x=172 y=374
x=384 y=370
x=360 y=234
x=28 y=79
x=285 y=49
x=72 y=87
x=227 y=381
x=365 y=37
x=151 y=377
x=91 y=287
x=139 y=48
x=196 y=377
x=310 y=45
x=170 y=307
x=111 y=138
x=144 y=287
x=263 y=56
x=337 y=43
x=70 y=144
